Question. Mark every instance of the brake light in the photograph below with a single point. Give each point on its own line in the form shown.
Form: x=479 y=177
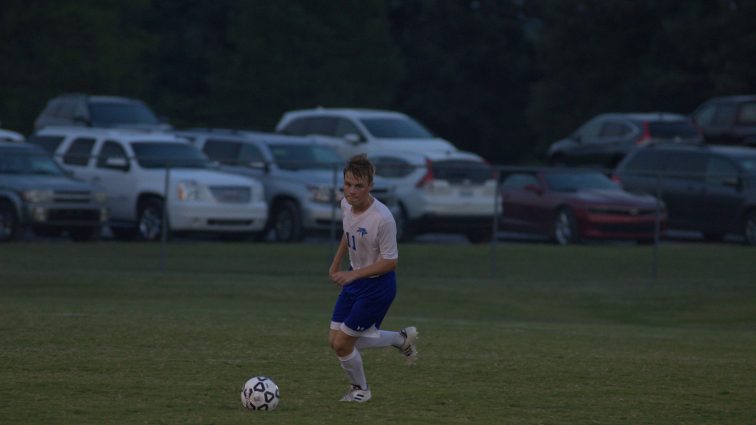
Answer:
x=428 y=176
x=645 y=136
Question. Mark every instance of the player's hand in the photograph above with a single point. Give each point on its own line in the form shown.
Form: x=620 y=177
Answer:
x=342 y=278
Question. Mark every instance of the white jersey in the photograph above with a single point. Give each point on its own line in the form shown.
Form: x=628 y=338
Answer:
x=370 y=235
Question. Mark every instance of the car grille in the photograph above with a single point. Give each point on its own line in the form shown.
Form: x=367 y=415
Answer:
x=73 y=215
x=632 y=212
x=626 y=227
x=231 y=194
x=72 y=197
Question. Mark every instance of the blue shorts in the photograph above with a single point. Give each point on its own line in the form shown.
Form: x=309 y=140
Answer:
x=363 y=304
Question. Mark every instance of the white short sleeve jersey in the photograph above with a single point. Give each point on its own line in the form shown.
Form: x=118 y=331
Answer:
x=370 y=235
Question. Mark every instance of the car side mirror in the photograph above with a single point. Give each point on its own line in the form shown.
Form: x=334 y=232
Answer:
x=117 y=163
x=534 y=188
x=353 y=138
x=259 y=165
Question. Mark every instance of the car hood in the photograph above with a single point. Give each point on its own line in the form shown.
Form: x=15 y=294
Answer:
x=213 y=177
x=28 y=182
x=613 y=197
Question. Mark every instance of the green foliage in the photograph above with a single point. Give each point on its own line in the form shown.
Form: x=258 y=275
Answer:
x=574 y=335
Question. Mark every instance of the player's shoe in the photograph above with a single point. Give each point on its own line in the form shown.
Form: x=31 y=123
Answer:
x=357 y=394
x=408 y=348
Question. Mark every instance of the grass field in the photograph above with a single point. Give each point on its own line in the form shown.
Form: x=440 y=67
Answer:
x=98 y=334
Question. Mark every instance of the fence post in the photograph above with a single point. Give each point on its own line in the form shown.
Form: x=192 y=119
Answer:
x=164 y=221
x=657 y=228
x=495 y=225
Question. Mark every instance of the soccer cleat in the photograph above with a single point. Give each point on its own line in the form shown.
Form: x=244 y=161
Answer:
x=357 y=394
x=408 y=348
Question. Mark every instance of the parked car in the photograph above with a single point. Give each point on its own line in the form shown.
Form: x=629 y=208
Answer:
x=36 y=193
x=10 y=136
x=708 y=188
x=728 y=120
x=131 y=167
x=572 y=205
x=77 y=109
x=442 y=192
x=606 y=138
x=354 y=131
x=302 y=179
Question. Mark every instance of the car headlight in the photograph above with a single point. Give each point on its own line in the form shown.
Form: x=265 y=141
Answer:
x=324 y=194
x=188 y=190
x=38 y=196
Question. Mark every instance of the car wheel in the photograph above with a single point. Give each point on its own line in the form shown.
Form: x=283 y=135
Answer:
x=87 y=234
x=150 y=224
x=9 y=225
x=287 y=222
x=565 y=228
x=404 y=231
x=749 y=229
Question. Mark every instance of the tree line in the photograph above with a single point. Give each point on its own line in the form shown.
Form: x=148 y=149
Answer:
x=503 y=78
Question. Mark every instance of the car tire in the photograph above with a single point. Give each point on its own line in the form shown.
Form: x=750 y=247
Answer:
x=749 y=228
x=87 y=234
x=404 y=230
x=287 y=222
x=150 y=221
x=10 y=227
x=565 y=227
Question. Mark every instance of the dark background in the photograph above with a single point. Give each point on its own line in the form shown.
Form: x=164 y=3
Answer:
x=501 y=78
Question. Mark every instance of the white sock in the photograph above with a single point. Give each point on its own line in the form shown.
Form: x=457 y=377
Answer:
x=352 y=365
x=384 y=339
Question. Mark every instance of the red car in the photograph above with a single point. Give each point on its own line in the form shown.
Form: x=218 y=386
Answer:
x=573 y=205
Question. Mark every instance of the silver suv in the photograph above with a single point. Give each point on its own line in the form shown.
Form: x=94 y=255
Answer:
x=36 y=193
x=137 y=169
x=302 y=179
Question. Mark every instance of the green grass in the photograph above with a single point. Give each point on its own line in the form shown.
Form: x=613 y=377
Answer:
x=94 y=334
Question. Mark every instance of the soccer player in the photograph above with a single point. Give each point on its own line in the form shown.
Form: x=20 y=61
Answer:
x=369 y=286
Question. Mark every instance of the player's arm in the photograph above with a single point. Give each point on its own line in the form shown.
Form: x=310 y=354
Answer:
x=338 y=257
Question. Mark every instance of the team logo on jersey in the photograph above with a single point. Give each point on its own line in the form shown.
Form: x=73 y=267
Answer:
x=362 y=231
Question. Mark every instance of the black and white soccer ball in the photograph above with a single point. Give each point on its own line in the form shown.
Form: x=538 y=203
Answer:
x=260 y=393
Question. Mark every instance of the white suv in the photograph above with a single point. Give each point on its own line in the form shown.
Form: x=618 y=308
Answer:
x=441 y=192
x=354 y=131
x=130 y=166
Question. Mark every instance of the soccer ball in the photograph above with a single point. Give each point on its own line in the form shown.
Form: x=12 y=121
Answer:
x=260 y=393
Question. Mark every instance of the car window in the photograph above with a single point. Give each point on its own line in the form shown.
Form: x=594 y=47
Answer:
x=645 y=161
x=250 y=153
x=106 y=114
x=396 y=128
x=686 y=166
x=672 y=129
x=18 y=162
x=705 y=115
x=79 y=152
x=325 y=126
x=615 y=129
x=571 y=181
x=725 y=114
x=747 y=114
x=295 y=157
x=110 y=149
x=161 y=154
x=344 y=127
x=223 y=151
x=590 y=130
x=719 y=171
x=459 y=171
x=519 y=181
x=392 y=167
x=48 y=143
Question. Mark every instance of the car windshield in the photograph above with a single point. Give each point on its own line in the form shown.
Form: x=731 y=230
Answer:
x=161 y=154
x=296 y=157
x=457 y=171
x=572 y=182
x=107 y=114
x=670 y=130
x=396 y=128
x=25 y=163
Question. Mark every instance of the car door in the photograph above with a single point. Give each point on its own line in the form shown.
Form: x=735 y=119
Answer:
x=520 y=197
x=76 y=157
x=718 y=210
x=683 y=186
x=112 y=172
x=586 y=140
x=719 y=130
x=611 y=143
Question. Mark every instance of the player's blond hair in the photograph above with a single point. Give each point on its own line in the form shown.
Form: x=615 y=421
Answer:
x=360 y=167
